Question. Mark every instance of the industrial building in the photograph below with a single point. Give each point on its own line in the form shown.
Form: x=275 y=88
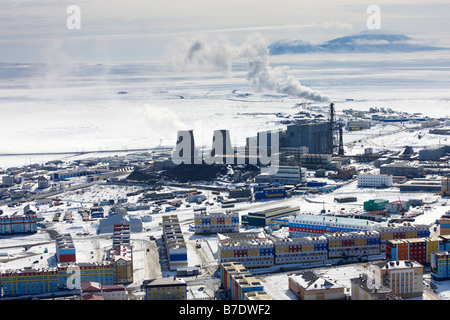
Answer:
x=315 y=160
x=79 y=172
x=315 y=136
x=375 y=205
x=265 y=217
x=269 y=192
x=433 y=152
x=285 y=175
x=420 y=186
x=397 y=206
x=354 y=125
x=403 y=169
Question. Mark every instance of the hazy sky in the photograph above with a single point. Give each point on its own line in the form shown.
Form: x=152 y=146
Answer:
x=113 y=30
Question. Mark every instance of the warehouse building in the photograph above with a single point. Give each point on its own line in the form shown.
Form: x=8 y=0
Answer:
x=285 y=175
x=433 y=152
x=315 y=136
x=265 y=217
x=403 y=169
x=375 y=205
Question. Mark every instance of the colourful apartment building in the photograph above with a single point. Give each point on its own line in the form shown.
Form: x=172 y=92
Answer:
x=440 y=265
x=252 y=249
x=29 y=281
x=298 y=250
x=227 y=269
x=417 y=249
x=65 y=249
x=166 y=289
x=444 y=225
x=16 y=224
x=64 y=276
x=121 y=254
x=121 y=257
x=174 y=242
x=308 y=224
x=353 y=244
x=445 y=186
x=404 y=230
x=214 y=222
x=242 y=284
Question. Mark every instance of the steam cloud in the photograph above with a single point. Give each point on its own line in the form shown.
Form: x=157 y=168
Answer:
x=204 y=53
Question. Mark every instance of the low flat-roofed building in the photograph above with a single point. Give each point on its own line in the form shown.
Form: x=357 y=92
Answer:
x=166 y=289
x=309 y=285
x=364 y=289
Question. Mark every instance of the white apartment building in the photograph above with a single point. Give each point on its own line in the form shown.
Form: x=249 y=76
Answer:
x=375 y=180
x=404 y=278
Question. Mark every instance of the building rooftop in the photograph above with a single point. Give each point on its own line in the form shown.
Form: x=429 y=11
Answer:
x=310 y=280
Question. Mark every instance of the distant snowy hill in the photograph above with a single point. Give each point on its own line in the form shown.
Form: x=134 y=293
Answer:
x=367 y=41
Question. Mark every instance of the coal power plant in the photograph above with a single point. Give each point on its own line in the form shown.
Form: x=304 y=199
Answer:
x=263 y=150
x=324 y=137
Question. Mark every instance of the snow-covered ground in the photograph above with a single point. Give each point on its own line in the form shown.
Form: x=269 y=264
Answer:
x=79 y=109
x=91 y=247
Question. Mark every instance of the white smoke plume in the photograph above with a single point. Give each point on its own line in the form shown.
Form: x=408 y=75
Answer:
x=206 y=53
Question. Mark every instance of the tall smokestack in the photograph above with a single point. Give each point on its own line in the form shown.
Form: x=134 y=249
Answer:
x=185 y=151
x=221 y=146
